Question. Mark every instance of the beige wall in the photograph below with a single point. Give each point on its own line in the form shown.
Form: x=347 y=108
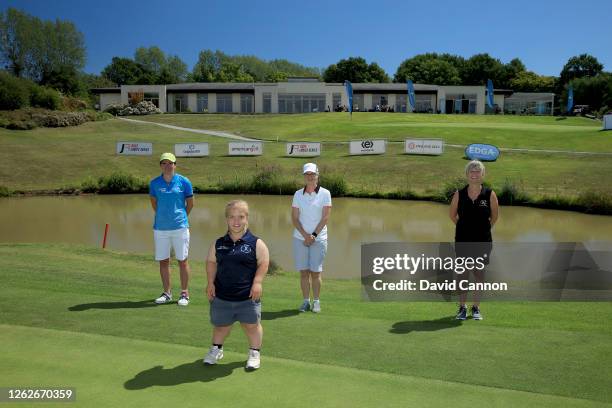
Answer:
x=295 y=88
x=160 y=89
x=109 y=99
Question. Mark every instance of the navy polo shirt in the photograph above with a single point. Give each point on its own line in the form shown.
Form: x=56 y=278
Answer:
x=171 y=213
x=236 y=267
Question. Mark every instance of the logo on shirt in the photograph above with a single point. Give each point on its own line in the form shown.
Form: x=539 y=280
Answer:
x=245 y=249
x=483 y=203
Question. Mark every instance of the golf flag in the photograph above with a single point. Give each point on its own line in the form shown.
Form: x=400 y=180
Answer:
x=411 y=98
x=349 y=96
x=490 y=93
x=570 y=99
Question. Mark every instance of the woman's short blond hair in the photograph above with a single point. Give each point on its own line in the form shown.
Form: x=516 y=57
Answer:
x=240 y=204
x=475 y=165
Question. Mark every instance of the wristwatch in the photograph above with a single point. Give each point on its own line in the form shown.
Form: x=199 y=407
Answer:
x=314 y=234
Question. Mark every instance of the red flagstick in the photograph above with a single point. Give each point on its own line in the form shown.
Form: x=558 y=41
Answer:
x=105 y=234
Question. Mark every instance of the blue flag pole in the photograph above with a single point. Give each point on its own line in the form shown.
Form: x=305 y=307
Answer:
x=349 y=95
x=411 y=98
x=490 y=93
x=570 y=99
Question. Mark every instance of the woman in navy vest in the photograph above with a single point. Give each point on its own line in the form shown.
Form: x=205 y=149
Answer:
x=236 y=266
x=473 y=210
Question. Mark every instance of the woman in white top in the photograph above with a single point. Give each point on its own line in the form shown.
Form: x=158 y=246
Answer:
x=310 y=213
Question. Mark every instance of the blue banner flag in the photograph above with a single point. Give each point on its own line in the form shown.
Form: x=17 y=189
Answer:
x=490 y=93
x=411 y=97
x=349 y=96
x=570 y=99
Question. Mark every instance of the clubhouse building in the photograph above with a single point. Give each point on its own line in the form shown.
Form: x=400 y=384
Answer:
x=302 y=95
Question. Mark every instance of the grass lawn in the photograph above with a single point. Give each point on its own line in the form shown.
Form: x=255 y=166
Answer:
x=57 y=158
x=82 y=317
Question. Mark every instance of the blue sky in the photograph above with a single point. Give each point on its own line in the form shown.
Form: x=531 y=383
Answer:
x=318 y=33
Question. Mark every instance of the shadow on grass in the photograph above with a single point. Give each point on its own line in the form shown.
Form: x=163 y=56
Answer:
x=181 y=374
x=443 y=323
x=279 y=315
x=116 y=305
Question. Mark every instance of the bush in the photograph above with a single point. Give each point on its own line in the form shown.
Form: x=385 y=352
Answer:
x=70 y=103
x=14 y=92
x=5 y=192
x=511 y=194
x=141 y=108
x=594 y=202
x=120 y=183
x=335 y=183
x=46 y=98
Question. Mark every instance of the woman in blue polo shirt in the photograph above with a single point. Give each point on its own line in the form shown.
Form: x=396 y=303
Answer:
x=236 y=266
x=172 y=200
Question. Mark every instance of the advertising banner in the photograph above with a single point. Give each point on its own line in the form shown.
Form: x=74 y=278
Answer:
x=191 y=149
x=303 y=149
x=433 y=147
x=245 y=148
x=357 y=147
x=134 y=148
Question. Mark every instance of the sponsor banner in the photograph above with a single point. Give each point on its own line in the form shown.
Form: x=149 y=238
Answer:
x=303 y=149
x=245 y=148
x=548 y=271
x=424 y=146
x=191 y=149
x=368 y=146
x=482 y=152
x=607 y=122
x=134 y=148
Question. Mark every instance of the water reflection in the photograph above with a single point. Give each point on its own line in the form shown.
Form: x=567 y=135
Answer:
x=81 y=220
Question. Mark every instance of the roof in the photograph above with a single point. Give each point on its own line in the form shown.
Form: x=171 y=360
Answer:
x=207 y=86
x=105 y=90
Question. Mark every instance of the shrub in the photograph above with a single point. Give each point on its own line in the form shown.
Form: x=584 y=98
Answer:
x=70 y=103
x=120 y=183
x=43 y=97
x=61 y=119
x=5 y=192
x=595 y=202
x=14 y=92
x=335 y=183
x=141 y=108
x=511 y=194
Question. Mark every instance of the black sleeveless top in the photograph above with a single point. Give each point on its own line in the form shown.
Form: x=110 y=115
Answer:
x=236 y=267
x=474 y=223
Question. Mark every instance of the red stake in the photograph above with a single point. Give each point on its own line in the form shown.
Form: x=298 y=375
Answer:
x=105 y=234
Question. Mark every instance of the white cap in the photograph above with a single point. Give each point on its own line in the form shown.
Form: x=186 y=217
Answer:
x=310 y=168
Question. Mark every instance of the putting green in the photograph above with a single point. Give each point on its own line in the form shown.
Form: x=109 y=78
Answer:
x=114 y=371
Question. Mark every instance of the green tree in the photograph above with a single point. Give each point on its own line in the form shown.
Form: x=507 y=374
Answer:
x=177 y=70
x=276 y=76
x=17 y=41
x=355 y=69
x=595 y=91
x=583 y=65
x=152 y=58
x=429 y=68
x=33 y=48
x=207 y=67
x=65 y=79
x=124 y=71
x=481 y=67
x=527 y=81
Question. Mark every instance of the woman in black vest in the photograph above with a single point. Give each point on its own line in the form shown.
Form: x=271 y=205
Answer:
x=474 y=210
x=236 y=266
